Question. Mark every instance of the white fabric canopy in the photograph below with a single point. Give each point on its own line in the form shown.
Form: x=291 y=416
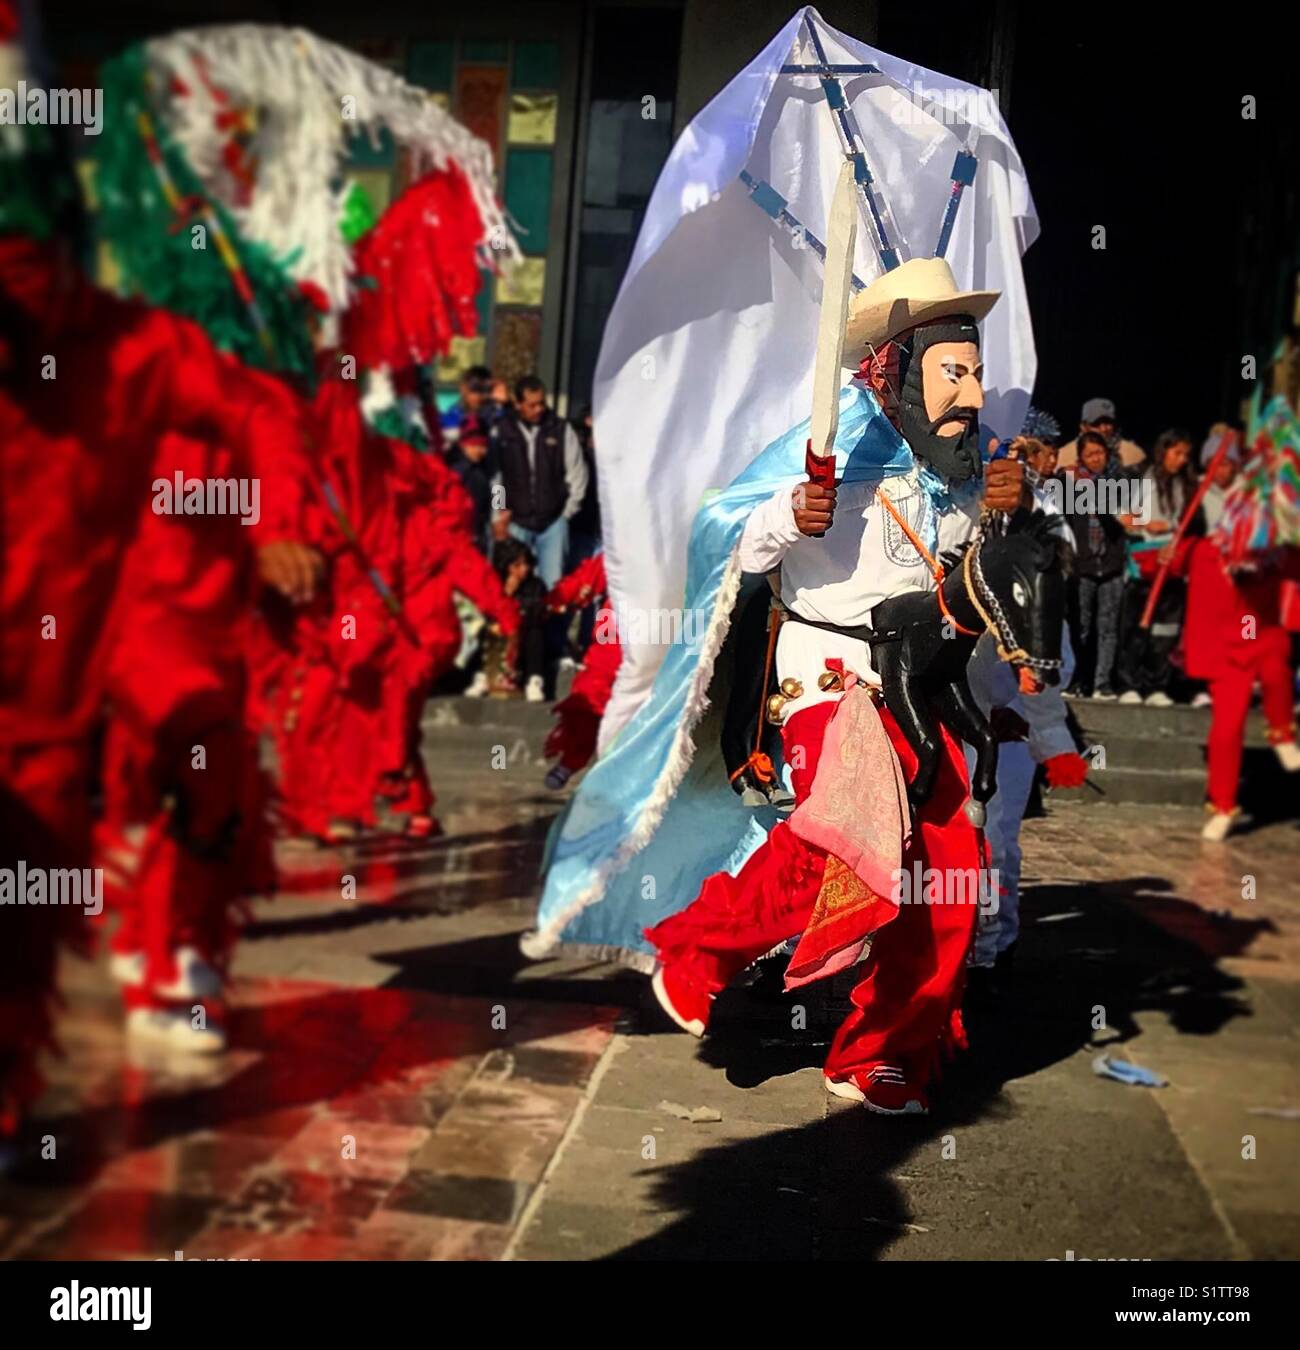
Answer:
x=708 y=352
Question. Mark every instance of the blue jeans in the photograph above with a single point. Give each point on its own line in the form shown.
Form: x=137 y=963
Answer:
x=550 y=545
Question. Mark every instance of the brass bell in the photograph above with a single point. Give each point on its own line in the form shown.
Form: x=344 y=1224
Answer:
x=791 y=687
x=830 y=682
x=775 y=708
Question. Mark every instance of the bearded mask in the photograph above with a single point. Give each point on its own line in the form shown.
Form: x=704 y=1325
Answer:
x=938 y=403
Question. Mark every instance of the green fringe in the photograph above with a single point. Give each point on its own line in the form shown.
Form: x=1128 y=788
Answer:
x=154 y=249
x=390 y=422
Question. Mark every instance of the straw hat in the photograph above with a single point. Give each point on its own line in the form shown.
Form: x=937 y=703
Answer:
x=915 y=292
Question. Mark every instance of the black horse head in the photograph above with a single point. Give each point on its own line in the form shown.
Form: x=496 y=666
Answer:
x=1019 y=581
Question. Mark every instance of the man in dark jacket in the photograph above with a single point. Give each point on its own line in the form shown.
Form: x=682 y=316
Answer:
x=543 y=474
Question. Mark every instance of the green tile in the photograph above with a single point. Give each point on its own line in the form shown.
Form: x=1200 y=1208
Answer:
x=537 y=65
x=484 y=303
x=484 y=53
x=430 y=64
x=365 y=154
x=528 y=196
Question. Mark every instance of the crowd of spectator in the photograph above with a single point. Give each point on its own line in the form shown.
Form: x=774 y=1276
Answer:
x=532 y=478
x=1123 y=530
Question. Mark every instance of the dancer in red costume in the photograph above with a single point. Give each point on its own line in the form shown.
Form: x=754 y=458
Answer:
x=917 y=339
x=342 y=683
x=318 y=669
x=573 y=738
x=1234 y=637
x=88 y=386
x=183 y=831
x=439 y=561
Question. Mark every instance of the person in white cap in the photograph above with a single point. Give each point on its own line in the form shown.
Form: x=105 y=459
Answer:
x=838 y=552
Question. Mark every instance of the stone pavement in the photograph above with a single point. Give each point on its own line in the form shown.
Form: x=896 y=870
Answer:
x=404 y=1084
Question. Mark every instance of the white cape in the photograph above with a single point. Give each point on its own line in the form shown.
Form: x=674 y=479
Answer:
x=707 y=354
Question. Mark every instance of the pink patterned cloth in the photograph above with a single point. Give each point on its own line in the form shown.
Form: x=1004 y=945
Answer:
x=857 y=808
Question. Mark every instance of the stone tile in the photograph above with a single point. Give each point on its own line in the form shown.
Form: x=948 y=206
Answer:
x=473 y=1199
x=110 y=1224
x=344 y=1148
x=536 y=1064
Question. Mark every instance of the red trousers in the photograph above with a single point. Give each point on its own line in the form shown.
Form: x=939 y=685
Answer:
x=1230 y=692
x=906 y=1004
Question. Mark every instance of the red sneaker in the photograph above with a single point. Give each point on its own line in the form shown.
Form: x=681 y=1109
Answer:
x=882 y=1088
x=685 y=1005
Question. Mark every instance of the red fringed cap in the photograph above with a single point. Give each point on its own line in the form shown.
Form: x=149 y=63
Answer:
x=417 y=275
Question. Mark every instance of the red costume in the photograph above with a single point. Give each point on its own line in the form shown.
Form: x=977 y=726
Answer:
x=88 y=385
x=439 y=560
x=907 y=1004
x=573 y=738
x=1234 y=637
x=180 y=759
x=342 y=682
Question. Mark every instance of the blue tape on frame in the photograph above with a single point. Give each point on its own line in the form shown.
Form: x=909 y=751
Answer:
x=963 y=168
x=769 y=199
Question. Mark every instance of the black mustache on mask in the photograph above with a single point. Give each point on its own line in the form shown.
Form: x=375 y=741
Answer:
x=969 y=416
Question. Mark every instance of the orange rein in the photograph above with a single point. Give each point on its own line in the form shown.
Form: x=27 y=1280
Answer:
x=936 y=570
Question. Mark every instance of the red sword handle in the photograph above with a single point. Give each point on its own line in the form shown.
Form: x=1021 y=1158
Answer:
x=820 y=470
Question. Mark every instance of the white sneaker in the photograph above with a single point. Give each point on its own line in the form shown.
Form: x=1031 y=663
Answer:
x=1221 y=824
x=1202 y=700
x=1130 y=696
x=533 y=691
x=195 y=979
x=478 y=686
x=174 y=1031
x=1159 y=700
x=1288 y=752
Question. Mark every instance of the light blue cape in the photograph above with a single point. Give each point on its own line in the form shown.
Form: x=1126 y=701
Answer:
x=656 y=815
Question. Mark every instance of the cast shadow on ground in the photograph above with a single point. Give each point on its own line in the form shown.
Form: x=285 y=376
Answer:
x=826 y=1189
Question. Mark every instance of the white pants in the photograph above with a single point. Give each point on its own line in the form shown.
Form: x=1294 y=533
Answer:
x=1006 y=809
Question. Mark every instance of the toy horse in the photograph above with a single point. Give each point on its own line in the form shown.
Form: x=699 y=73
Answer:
x=1012 y=585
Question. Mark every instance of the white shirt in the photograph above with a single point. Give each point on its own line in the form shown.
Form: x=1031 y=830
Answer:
x=862 y=559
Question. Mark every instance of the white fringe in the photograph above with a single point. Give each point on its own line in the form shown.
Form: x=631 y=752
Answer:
x=532 y=947
x=297 y=83
x=545 y=941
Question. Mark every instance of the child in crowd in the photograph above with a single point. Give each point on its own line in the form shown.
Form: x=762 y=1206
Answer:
x=517 y=568
x=1097 y=585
